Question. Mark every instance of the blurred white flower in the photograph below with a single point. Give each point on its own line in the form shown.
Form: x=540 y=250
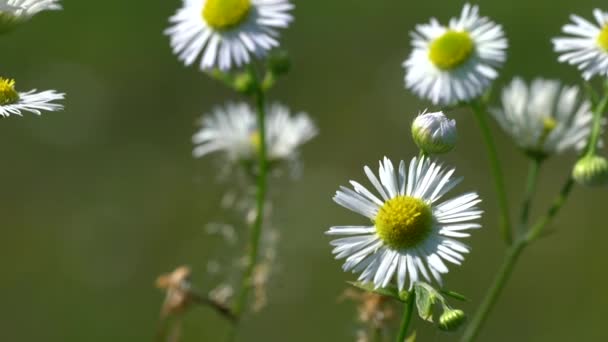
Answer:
x=545 y=118
x=13 y=12
x=411 y=230
x=457 y=62
x=233 y=129
x=434 y=133
x=587 y=45
x=225 y=33
x=14 y=103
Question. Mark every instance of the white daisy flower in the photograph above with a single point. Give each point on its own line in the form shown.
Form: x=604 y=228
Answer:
x=225 y=33
x=234 y=131
x=587 y=47
x=13 y=12
x=14 y=103
x=457 y=62
x=412 y=231
x=545 y=118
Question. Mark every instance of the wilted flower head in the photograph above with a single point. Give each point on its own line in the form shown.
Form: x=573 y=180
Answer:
x=456 y=62
x=14 y=12
x=372 y=308
x=546 y=117
x=434 y=133
x=587 y=47
x=226 y=33
x=13 y=102
x=233 y=129
x=178 y=289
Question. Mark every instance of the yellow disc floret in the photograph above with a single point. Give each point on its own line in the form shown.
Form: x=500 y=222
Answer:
x=256 y=140
x=404 y=222
x=451 y=50
x=225 y=14
x=8 y=94
x=602 y=38
x=549 y=125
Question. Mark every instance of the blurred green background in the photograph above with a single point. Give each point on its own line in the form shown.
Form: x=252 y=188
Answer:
x=101 y=198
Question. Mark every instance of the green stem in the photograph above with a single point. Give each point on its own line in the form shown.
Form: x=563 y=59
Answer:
x=499 y=183
x=531 y=183
x=513 y=254
x=538 y=228
x=408 y=313
x=491 y=297
x=256 y=231
x=597 y=125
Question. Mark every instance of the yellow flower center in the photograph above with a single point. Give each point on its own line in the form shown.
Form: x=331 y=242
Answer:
x=602 y=39
x=451 y=50
x=256 y=140
x=404 y=222
x=549 y=125
x=8 y=94
x=225 y=14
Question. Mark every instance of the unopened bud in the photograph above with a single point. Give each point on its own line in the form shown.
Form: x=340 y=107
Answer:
x=244 y=83
x=451 y=320
x=591 y=171
x=434 y=133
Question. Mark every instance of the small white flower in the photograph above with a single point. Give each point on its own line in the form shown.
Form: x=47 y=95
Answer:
x=587 y=47
x=13 y=12
x=411 y=230
x=225 y=33
x=546 y=117
x=434 y=133
x=14 y=103
x=234 y=131
x=457 y=62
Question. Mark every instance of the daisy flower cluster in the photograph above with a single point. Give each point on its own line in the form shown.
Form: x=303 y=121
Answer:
x=415 y=223
x=412 y=234
x=236 y=42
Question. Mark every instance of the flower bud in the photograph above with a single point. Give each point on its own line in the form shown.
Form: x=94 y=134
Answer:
x=244 y=83
x=591 y=171
x=451 y=320
x=434 y=133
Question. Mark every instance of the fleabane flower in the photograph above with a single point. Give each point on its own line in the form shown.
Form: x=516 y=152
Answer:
x=587 y=45
x=13 y=102
x=412 y=231
x=545 y=117
x=14 y=12
x=458 y=62
x=233 y=129
x=226 y=33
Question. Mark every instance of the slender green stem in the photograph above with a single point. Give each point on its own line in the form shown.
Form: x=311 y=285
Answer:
x=499 y=183
x=256 y=231
x=408 y=313
x=493 y=294
x=513 y=254
x=597 y=125
x=538 y=228
x=531 y=183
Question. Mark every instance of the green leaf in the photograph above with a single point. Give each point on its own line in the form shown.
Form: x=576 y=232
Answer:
x=455 y=295
x=425 y=299
x=389 y=291
x=412 y=338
